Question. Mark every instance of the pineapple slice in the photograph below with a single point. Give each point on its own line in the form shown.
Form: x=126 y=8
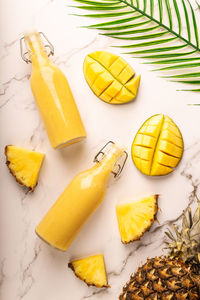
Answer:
x=135 y=218
x=24 y=165
x=91 y=270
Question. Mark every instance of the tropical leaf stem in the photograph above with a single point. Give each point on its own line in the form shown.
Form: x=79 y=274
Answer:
x=158 y=32
x=160 y=24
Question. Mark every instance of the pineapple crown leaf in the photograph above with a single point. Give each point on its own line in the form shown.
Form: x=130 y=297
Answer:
x=169 y=235
x=185 y=242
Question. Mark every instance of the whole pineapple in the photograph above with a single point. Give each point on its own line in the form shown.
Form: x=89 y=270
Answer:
x=175 y=276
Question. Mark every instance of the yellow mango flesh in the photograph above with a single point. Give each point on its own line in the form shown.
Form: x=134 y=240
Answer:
x=158 y=146
x=110 y=77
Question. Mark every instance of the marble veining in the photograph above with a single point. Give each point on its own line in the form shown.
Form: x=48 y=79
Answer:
x=27 y=279
x=2 y=274
x=30 y=269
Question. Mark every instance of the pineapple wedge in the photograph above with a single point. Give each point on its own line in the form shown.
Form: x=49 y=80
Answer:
x=91 y=270
x=24 y=165
x=135 y=218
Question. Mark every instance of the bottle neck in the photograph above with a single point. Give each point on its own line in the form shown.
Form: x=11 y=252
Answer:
x=36 y=49
x=106 y=165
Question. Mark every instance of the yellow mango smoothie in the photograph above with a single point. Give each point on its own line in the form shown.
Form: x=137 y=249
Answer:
x=53 y=96
x=78 y=201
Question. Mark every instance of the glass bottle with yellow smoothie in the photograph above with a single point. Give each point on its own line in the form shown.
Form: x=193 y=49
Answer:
x=79 y=200
x=53 y=95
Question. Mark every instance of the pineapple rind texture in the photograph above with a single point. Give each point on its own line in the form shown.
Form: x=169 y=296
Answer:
x=91 y=270
x=162 y=278
x=24 y=165
x=158 y=146
x=135 y=218
x=110 y=77
x=172 y=277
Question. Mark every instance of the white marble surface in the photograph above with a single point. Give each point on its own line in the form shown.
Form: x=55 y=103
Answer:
x=29 y=269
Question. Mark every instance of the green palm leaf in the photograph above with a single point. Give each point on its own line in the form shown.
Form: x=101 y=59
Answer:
x=178 y=16
x=187 y=21
x=146 y=44
x=186 y=75
x=118 y=28
x=189 y=81
x=174 y=61
x=132 y=31
x=167 y=55
x=181 y=66
x=115 y=22
x=142 y=20
x=162 y=49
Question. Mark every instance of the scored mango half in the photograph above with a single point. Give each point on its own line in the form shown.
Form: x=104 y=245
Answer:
x=158 y=146
x=110 y=77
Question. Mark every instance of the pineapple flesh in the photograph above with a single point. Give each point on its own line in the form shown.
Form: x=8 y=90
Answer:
x=175 y=276
x=24 y=165
x=135 y=218
x=91 y=270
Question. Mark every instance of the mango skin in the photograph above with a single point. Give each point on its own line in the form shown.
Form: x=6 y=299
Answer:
x=110 y=77
x=158 y=146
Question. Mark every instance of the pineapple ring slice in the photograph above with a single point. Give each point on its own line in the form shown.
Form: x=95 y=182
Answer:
x=158 y=146
x=91 y=270
x=110 y=77
x=24 y=165
x=135 y=218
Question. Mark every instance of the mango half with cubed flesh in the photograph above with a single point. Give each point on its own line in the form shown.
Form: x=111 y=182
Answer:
x=158 y=146
x=110 y=77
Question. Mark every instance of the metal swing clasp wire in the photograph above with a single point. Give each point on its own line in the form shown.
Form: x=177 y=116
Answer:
x=26 y=55
x=118 y=166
